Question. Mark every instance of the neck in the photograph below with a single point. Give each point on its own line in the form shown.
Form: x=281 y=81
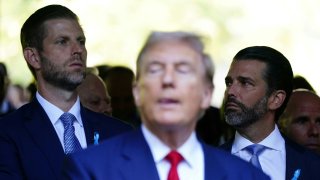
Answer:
x=174 y=137
x=61 y=98
x=259 y=130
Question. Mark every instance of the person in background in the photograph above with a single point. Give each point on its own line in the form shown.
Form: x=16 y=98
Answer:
x=5 y=105
x=2 y=87
x=258 y=87
x=32 y=90
x=119 y=81
x=35 y=138
x=103 y=70
x=94 y=94
x=173 y=89
x=301 y=119
x=299 y=82
x=209 y=127
x=17 y=96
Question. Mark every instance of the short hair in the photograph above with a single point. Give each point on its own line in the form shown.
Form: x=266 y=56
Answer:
x=34 y=31
x=278 y=73
x=191 y=39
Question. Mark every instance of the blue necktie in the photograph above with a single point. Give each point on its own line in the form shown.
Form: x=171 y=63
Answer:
x=71 y=143
x=255 y=150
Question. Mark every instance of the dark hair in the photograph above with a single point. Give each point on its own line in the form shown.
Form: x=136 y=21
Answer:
x=34 y=31
x=191 y=39
x=278 y=73
x=301 y=82
x=3 y=75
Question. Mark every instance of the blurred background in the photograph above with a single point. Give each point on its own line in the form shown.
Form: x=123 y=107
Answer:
x=116 y=30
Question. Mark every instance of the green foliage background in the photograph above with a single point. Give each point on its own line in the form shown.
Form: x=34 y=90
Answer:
x=116 y=30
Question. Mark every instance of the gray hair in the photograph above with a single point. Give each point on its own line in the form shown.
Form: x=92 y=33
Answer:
x=191 y=39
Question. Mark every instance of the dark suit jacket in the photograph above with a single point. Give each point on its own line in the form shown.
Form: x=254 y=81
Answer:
x=128 y=157
x=297 y=157
x=30 y=147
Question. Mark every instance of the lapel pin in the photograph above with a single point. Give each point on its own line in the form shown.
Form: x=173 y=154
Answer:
x=296 y=174
x=96 y=138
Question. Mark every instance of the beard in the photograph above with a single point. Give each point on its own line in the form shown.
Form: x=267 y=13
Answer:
x=247 y=115
x=59 y=78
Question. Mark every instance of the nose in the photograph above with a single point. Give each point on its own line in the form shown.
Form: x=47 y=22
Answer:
x=105 y=108
x=78 y=47
x=231 y=90
x=168 y=77
x=314 y=129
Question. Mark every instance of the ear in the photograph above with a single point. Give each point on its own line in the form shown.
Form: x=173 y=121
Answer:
x=207 y=96
x=136 y=94
x=32 y=57
x=276 y=99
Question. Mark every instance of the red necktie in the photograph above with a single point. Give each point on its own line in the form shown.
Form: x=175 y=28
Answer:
x=174 y=158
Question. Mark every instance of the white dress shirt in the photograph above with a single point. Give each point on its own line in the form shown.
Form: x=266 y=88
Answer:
x=54 y=114
x=272 y=159
x=192 y=167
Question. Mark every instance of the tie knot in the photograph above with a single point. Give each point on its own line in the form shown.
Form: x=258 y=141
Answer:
x=174 y=158
x=255 y=149
x=67 y=119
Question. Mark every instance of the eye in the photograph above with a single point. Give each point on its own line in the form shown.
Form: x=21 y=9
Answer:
x=184 y=68
x=301 y=120
x=94 y=102
x=154 y=68
x=61 y=41
x=246 y=82
x=82 y=41
x=228 y=82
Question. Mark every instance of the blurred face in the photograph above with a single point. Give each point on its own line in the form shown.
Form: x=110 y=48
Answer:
x=171 y=90
x=303 y=124
x=63 y=59
x=245 y=100
x=94 y=95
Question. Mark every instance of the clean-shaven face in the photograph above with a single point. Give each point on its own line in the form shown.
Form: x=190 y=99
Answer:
x=172 y=89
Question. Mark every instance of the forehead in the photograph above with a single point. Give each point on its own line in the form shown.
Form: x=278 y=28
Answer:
x=247 y=68
x=171 y=50
x=302 y=102
x=60 y=26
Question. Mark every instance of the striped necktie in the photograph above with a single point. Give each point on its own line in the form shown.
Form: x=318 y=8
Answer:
x=71 y=143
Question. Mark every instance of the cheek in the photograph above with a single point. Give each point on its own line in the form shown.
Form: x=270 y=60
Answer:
x=298 y=132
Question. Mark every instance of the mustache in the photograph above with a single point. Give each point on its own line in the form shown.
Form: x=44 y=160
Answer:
x=235 y=101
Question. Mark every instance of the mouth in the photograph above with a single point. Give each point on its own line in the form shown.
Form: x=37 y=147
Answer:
x=231 y=106
x=168 y=102
x=76 y=63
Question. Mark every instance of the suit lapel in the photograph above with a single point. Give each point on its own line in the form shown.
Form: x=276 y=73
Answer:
x=88 y=125
x=227 y=146
x=137 y=156
x=44 y=135
x=293 y=160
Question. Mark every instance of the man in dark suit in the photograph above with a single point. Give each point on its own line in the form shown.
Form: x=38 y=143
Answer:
x=173 y=89
x=259 y=84
x=35 y=138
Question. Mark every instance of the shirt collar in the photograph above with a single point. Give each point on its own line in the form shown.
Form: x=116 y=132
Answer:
x=273 y=141
x=159 y=150
x=54 y=112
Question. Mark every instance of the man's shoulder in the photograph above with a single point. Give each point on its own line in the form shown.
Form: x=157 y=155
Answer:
x=230 y=166
x=297 y=152
x=103 y=120
x=107 y=149
x=17 y=116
